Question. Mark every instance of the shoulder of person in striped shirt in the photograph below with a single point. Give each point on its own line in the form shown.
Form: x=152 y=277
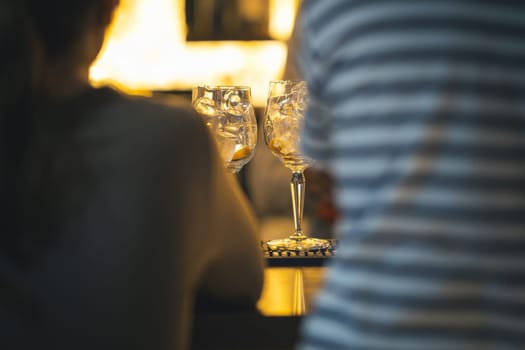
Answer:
x=418 y=112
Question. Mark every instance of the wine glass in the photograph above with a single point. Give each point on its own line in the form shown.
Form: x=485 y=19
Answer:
x=228 y=112
x=282 y=125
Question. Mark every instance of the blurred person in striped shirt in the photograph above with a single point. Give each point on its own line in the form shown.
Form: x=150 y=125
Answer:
x=417 y=112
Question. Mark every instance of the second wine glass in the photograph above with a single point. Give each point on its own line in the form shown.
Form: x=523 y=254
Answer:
x=282 y=126
x=228 y=112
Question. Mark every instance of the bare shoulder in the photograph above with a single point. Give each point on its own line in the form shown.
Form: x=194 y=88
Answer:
x=140 y=130
x=145 y=118
x=148 y=112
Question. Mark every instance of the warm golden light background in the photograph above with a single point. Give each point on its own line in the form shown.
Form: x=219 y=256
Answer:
x=146 y=50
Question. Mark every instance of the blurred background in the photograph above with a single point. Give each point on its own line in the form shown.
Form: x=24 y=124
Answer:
x=170 y=45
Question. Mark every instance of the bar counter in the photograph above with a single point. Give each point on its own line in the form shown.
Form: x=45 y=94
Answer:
x=290 y=283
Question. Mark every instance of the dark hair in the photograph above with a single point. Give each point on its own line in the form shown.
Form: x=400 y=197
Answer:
x=17 y=90
x=27 y=29
x=58 y=22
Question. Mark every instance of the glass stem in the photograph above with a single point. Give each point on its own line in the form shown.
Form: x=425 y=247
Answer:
x=297 y=187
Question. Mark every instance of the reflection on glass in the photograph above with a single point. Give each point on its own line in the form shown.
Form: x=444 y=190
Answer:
x=283 y=118
x=228 y=113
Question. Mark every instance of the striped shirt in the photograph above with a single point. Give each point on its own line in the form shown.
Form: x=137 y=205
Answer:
x=418 y=111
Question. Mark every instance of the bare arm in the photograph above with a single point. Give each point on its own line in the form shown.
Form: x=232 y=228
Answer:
x=237 y=269
x=222 y=254
x=216 y=245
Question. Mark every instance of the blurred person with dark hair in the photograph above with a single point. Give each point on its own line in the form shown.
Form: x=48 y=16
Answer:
x=115 y=211
x=417 y=111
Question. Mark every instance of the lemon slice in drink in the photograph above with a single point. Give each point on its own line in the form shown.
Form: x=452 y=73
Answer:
x=276 y=145
x=241 y=153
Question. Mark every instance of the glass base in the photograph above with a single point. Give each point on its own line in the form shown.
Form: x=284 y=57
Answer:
x=298 y=245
